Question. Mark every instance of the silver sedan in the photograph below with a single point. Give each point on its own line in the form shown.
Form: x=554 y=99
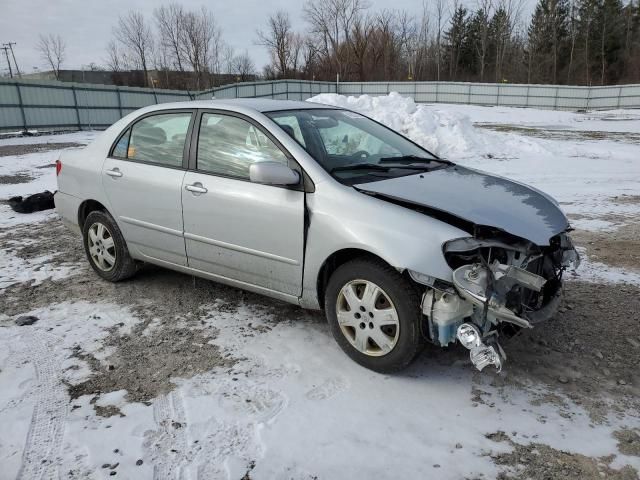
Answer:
x=327 y=209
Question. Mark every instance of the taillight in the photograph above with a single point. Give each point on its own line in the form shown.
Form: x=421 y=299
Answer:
x=58 y=167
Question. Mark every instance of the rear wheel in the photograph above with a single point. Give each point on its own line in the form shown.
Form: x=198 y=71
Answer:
x=374 y=314
x=105 y=247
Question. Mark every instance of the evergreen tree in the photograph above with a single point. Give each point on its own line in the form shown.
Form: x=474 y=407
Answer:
x=455 y=38
x=548 y=40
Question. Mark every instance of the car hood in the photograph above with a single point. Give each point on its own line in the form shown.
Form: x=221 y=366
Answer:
x=479 y=198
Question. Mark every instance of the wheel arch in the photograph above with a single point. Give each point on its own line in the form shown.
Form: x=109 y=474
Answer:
x=88 y=206
x=338 y=258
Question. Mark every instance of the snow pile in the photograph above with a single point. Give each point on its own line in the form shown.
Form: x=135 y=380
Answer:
x=448 y=134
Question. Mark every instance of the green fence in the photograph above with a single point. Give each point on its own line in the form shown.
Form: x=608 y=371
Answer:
x=42 y=105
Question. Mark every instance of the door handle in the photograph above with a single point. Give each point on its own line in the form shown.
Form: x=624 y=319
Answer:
x=114 y=173
x=196 y=188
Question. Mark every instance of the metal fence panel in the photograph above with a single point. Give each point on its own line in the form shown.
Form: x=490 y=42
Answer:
x=50 y=104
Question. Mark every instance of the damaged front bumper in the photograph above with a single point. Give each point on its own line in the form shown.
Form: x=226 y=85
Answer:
x=506 y=284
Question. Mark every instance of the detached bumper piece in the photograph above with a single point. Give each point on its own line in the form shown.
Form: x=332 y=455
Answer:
x=482 y=352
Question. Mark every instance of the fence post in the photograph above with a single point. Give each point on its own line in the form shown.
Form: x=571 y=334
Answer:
x=255 y=90
x=527 y=101
x=498 y=96
x=236 y=90
x=619 y=96
x=75 y=105
x=437 y=84
x=555 y=103
x=469 y=95
x=588 y=97
x=24 y=117
x=286 y=84
x=119 y=101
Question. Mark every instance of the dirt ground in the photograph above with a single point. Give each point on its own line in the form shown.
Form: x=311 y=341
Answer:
x=561 y=134
x=10 y=150
x=589 y=352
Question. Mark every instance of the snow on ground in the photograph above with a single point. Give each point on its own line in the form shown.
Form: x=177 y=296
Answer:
x=84 y=137
x=293 y=405
x=34 y=172
x=602 y=121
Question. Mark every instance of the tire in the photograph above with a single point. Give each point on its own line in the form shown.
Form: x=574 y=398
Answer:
x=401 y=341
x=106 y=248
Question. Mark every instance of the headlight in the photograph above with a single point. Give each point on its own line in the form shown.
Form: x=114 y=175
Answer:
x=469 y=336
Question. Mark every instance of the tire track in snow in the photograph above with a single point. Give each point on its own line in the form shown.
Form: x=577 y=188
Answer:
x=170 y=441
x=41 y=455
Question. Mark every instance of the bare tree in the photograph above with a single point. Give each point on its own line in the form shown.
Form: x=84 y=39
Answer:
x=360 y=42
x=227 y=56
x=135 y=36
x=52 y=50
x=278 y=39
x=243 y=66
x=440 y=20
x=170 y=23
x=331 y=22
x=200 y=36
x=573 y=34
x=115 y=58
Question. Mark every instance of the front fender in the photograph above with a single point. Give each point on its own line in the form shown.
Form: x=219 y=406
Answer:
x=347 y=219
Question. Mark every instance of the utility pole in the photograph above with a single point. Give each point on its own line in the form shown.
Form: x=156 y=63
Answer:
x=10 y=45
x=6 y=53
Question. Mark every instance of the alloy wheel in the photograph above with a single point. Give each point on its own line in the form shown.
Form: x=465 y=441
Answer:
x=367 y=318
x=101 y=247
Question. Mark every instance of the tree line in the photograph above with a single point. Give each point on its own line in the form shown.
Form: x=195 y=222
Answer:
x=186 y=43
x=583 y=42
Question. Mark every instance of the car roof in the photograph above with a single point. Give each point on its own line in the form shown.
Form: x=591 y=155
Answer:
x=242 y=104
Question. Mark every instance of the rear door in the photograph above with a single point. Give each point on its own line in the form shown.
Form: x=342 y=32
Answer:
x=248 y=232
x=143 y=181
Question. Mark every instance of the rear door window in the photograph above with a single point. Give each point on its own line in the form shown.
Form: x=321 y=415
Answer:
x=157 y=139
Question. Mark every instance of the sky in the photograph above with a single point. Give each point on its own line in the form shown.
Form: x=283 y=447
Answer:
x=86 y=25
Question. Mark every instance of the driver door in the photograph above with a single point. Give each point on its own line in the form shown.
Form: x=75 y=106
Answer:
x=233 y=228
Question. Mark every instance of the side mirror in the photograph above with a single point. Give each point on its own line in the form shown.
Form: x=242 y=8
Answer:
x=273 y=173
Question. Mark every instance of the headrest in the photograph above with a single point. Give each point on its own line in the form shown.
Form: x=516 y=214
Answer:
x=151 y=135
x=289 y=130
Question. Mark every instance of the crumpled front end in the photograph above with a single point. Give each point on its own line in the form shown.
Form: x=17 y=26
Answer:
x=500 y=284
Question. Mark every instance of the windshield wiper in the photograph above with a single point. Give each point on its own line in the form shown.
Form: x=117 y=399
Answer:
x=374 y=166
x=407 y=159
x=360 y=166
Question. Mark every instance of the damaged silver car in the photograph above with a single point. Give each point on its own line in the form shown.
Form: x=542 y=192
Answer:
x=325 y=208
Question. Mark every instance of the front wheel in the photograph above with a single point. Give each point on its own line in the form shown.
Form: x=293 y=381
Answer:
x=374 y=314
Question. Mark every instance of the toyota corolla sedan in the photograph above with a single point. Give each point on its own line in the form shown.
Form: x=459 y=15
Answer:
x=325 y=208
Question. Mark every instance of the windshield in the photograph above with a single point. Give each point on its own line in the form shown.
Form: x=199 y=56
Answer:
x=352 y=147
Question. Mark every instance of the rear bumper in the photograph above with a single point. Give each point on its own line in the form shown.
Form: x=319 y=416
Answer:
x=67 y=207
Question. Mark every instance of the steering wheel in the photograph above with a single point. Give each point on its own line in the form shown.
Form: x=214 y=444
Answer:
x=360 y=154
